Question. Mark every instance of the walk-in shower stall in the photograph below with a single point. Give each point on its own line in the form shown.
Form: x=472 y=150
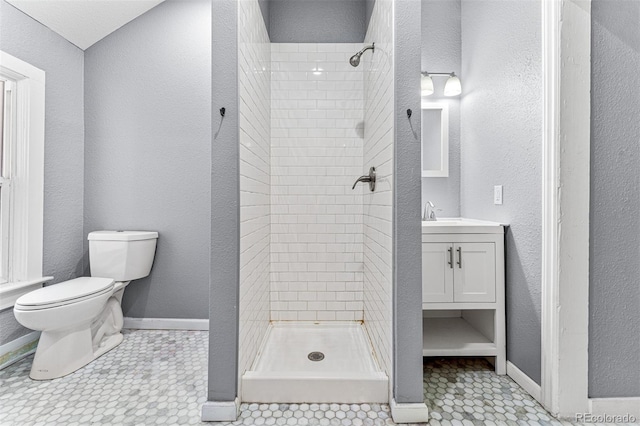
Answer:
x=315 y=273
x=315 y=251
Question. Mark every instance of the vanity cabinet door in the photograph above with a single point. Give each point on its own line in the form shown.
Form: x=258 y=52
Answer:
x=474 y=272
x=437 y=272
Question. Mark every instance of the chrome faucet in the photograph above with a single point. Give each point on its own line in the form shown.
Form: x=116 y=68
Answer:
x=429 y=212
x=370 y=178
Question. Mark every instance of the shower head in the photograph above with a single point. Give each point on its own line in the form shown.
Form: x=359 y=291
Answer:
x=355 y=59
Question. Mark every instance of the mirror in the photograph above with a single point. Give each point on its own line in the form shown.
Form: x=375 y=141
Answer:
x=435 y=139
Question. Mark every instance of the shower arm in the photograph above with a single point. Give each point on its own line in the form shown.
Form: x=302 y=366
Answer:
x=372 y=47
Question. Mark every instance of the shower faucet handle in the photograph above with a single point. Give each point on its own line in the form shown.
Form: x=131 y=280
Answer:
x=370 y=178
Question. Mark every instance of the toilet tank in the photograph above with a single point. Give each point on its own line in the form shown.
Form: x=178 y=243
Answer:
x=121 y=255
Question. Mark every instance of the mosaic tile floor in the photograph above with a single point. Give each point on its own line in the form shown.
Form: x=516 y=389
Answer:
x=153 y=377
x=467 y=391
x=159 y=378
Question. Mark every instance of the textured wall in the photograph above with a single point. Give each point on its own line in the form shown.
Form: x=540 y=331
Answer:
x=368 y=10
x=147 y=150
x=501 y=145
x=441 y=52
x=265 y=9
x=378 y=215
x=254 y=66
x=316 y=155
x=614 y=330
x=407 y=233
x=62 y=62
x=10 y=330
x=317 y=21
x=225 y=205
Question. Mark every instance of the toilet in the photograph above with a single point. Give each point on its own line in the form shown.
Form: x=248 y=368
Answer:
x=81 y=319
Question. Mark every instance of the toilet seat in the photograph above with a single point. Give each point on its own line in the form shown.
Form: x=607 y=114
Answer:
x=65 y=293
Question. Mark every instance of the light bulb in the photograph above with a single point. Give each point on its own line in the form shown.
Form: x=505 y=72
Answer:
x=426 y=85
x=453 y=86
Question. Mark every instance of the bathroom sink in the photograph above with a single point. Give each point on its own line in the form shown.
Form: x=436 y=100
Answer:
x=443 y=222
x=460 y=225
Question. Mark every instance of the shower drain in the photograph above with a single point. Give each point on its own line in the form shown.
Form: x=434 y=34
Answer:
x=316 y=356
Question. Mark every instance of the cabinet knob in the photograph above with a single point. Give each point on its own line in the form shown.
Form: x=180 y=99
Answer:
x=459 y=262
x=450 y=250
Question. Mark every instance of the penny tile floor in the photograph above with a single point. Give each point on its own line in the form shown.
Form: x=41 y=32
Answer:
x=160 y=378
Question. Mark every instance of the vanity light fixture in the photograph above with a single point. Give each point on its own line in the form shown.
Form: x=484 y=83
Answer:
x=426 y=85
x=451 y=88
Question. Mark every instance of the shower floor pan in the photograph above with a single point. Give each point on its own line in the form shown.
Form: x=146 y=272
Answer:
x=284 y=371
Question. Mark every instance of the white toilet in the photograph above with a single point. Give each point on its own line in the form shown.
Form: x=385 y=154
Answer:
x=81 y=319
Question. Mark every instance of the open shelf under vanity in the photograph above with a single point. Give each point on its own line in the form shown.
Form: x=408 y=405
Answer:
x=458 y=334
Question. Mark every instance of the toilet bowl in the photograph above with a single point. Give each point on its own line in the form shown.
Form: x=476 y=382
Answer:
x=81 y=319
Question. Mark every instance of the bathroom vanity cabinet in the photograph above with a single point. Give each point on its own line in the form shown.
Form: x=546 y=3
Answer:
x=463 y=289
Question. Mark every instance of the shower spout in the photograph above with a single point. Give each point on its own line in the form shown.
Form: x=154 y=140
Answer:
x=355 y=59
x=370 y=178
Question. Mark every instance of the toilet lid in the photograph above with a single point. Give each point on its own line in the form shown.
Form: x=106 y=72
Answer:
x=66 y=291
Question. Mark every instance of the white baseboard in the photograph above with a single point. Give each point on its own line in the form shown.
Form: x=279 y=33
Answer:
x=221 y=411
x=629 y=407
x=415 y=412
x=166 y=324
x=525 y=382
x=17 y=349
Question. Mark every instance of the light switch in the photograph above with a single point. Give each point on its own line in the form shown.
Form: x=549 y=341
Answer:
x=497 y=194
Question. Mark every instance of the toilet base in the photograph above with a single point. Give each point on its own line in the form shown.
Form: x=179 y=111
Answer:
x=61 y=352
x=108 y=344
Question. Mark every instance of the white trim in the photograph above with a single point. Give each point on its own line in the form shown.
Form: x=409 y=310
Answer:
x=415 y=412
x=165 y=324
x=27 y=178
x=10 y=292
x=524 y=381
x=616 y=407
x=549 y=321
x=565 y=202
x=16 y=345
x=221 y=411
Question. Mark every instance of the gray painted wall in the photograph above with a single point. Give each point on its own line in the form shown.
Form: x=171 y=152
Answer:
x=26 y=39
x=317 y=21
x=368 y=11
x=225 y=206
x=265 y=9
x=407 y=233
x=614 y=342
x=441 y=52
x=10 y=330
x=501 y=139
x=148 y=150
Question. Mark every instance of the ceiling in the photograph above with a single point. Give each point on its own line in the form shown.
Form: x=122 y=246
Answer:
x=84 y=22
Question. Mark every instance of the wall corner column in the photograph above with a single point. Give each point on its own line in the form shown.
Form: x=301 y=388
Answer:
x=222 y=399
x=407 y=405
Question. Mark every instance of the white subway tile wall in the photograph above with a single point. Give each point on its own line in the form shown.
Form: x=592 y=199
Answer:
x=316 y=156
x=378 y=205
x=255 y=175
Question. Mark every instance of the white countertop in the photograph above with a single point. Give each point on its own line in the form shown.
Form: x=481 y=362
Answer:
x=461 y=225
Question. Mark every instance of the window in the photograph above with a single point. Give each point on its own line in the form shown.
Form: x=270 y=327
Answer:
x=21 y=178
x=7 y=143
x=5 y=112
